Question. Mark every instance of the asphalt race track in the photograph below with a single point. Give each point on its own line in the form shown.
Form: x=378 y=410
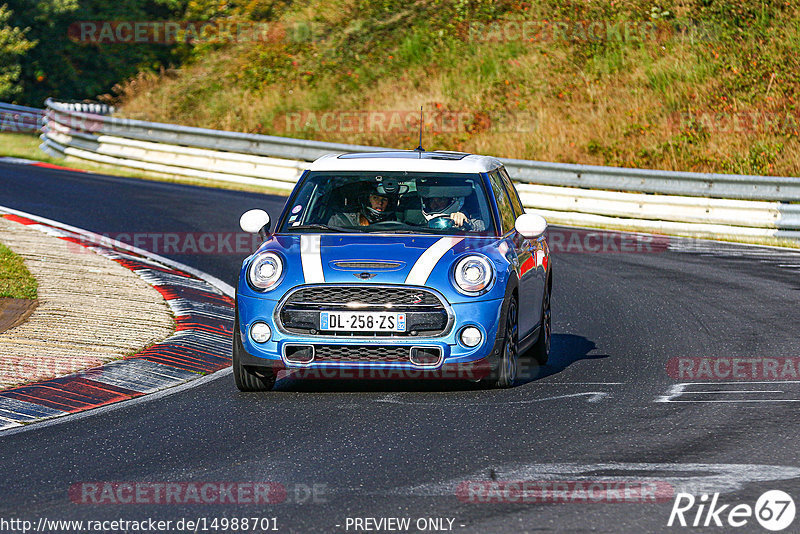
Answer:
x=605 y=409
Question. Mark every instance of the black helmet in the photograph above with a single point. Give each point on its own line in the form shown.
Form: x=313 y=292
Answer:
x=371 y=214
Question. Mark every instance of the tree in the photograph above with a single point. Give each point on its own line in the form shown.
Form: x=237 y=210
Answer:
x=61 y=67
x=13 y=45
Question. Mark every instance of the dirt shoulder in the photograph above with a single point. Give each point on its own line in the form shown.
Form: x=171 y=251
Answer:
x=14 y=312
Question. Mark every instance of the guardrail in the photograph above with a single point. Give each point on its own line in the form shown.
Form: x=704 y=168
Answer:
x=142 y=146
x=94 y=108
x=650 y=200
x=15 y=118
x=692 y=184
x=26 y=119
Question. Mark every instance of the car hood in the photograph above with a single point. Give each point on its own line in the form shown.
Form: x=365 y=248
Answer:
x=373 y=258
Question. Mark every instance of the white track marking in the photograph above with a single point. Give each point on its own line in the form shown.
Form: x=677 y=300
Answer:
x=594 y=396
x=694 y=478
x=684 y=389
x=579 y=383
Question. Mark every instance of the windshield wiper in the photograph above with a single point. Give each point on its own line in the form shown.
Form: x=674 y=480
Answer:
x=320 y=226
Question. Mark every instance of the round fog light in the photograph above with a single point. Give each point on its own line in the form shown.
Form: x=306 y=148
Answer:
x=260 y=332
x=471 y=336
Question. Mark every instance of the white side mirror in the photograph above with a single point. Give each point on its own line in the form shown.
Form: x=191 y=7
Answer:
x=530 y=225
x=255 y=222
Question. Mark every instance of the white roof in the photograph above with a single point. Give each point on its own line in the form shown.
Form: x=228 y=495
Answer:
x=409 y=161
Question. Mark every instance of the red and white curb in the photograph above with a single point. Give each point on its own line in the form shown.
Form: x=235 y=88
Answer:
x=34 y=163
x=204 y=316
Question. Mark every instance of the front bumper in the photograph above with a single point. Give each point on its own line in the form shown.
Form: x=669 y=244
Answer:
x=483 y=314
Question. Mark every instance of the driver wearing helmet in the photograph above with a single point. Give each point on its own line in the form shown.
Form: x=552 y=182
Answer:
x=444 y=201
x=376 y=205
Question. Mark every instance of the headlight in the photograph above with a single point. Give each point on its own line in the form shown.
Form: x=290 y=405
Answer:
x=265 y=270
x=473 y=274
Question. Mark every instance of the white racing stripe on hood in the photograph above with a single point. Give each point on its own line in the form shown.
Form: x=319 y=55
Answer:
x=311 y=258
x=427 y=261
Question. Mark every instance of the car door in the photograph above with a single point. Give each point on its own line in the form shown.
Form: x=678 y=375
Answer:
x=529 y=251
x=520 y=252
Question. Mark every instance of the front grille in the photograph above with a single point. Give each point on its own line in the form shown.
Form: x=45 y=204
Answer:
x=426 y=314
x=360 y=353
x=377 y=296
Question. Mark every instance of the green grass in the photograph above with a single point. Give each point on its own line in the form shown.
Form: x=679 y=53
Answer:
x=20 y=146
x=720 y=60
x=15 y=280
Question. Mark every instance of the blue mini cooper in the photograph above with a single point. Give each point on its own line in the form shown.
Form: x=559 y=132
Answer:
x=395 y=264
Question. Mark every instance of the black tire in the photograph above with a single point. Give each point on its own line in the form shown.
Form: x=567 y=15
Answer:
x=541 y=349
x=246 y=380
x=508 y=366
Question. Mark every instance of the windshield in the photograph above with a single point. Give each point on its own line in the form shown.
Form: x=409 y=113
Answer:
x=390 y=202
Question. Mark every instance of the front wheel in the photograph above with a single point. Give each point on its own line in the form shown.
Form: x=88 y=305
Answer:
x=245 y=379
x=541 y=349
x=509 y=359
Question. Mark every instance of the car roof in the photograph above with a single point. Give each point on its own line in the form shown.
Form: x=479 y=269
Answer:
x=407 y=160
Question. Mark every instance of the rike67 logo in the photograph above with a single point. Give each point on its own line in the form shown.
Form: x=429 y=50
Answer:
x=774 y=511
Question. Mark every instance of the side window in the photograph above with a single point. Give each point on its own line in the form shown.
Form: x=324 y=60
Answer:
x=503 y=204
x=516 y=203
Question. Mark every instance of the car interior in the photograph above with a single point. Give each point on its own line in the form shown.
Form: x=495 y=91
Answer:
x=345 y=199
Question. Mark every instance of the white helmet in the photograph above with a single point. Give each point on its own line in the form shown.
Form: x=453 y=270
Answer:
x=453 y=206
x=432 y=189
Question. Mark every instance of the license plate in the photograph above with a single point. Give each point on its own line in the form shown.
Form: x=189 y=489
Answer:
x=362 y=321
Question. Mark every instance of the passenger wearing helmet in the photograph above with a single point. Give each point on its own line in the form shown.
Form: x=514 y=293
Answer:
x=442 y=203
x=376 y=205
